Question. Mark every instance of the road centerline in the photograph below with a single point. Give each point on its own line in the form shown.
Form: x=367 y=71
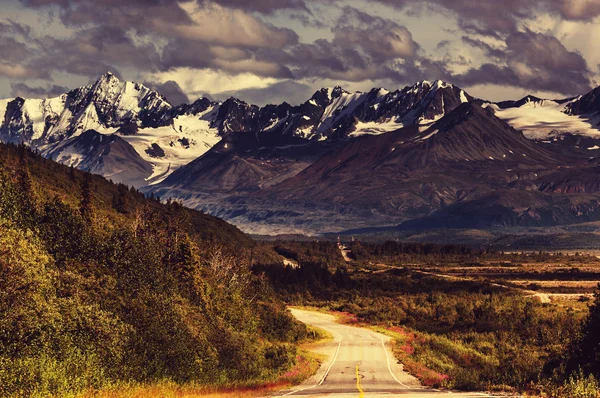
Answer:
x=358 y=386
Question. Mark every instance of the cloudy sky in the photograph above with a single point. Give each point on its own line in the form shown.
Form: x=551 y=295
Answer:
x=275 y=50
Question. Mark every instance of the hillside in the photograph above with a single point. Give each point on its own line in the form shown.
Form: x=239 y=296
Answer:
x=100 y=286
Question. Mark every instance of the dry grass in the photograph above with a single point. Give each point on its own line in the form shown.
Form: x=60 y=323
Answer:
x=172 y=390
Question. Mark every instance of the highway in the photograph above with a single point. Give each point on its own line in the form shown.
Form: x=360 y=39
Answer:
x=359 y=364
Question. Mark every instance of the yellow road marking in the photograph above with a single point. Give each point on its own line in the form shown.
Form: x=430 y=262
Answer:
x=360 y=390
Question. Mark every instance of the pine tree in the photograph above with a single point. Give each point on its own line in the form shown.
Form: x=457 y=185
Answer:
x=120 y=200
x=25 y=193
x=86 y=208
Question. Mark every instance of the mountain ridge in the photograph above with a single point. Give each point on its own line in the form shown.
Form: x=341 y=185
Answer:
x=360 y=159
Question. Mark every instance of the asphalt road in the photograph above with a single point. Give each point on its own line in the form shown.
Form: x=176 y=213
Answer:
x=360 y=365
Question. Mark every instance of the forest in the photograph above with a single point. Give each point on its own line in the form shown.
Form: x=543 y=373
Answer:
x=100 y=286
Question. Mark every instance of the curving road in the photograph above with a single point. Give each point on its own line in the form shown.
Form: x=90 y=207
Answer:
x=359 y=365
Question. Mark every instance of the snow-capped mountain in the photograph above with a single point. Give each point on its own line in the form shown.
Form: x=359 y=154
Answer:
x=167 y=137
x=469 y=162
x=338 y=160
x=105 y=106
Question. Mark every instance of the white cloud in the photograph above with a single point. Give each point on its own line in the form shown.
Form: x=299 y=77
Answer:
x=196 y=82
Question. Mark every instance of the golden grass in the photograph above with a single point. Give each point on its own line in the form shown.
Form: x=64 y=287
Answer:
x=173 y=390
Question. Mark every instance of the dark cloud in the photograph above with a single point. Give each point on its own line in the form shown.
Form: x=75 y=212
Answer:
x=235 y=36
x=490 y=51
x=535 y=61
x=382 y=39
x=308 y=20
x=496 y=18
x=11 y=27
x=285 y=91
x=442 y=44
x=171 y=90
x=93 y=51
x=130 y=13
x=262 y=6
x=188 y=53
x=25 y=91
x=479 y=16
x=364 y=47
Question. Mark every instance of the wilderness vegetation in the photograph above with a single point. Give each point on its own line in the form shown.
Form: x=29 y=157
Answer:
x=450 y=333
x=101 y=286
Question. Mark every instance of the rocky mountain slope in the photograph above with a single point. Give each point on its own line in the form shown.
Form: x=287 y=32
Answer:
x=430 y=153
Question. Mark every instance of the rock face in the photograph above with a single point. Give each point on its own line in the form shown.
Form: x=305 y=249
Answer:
x=469 y=169
x=107 y=155
x=167 y=137
x=425 y=156
x=588 y=104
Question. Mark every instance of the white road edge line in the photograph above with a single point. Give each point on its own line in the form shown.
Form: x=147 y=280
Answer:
x=324 y=376
x=387 y=356
x=331 y=365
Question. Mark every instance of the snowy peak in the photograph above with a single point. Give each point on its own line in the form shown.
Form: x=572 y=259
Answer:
x=588 y=104
x=336 y=92
x=529 y=101
x=117 y=101
x=146 y=121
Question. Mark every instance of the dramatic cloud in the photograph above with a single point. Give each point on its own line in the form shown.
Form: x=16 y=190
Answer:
x=491 y=17
x=535 y=61
x=171 y=90
x=227 y=27
x=277 y=48
x=262 y=6
x=286 y=91
x=380 y=38
x=24 y=91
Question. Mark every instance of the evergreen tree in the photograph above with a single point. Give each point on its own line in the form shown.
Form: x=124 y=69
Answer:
x=25 y=194
x=120 y=200
x=86 y=208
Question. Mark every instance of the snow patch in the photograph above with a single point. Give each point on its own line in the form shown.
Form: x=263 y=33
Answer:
x=428 y=136
x=374 y=128
x=339 y=109
x=186 y=139
x=546 y=119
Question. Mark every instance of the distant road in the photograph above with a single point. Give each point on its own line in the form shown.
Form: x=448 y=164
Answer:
x=360 y=365
x=345 y=252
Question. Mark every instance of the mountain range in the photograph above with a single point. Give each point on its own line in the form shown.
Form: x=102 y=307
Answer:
x=426 y=156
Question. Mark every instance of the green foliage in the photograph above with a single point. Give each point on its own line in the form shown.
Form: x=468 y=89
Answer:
x=101 y=286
